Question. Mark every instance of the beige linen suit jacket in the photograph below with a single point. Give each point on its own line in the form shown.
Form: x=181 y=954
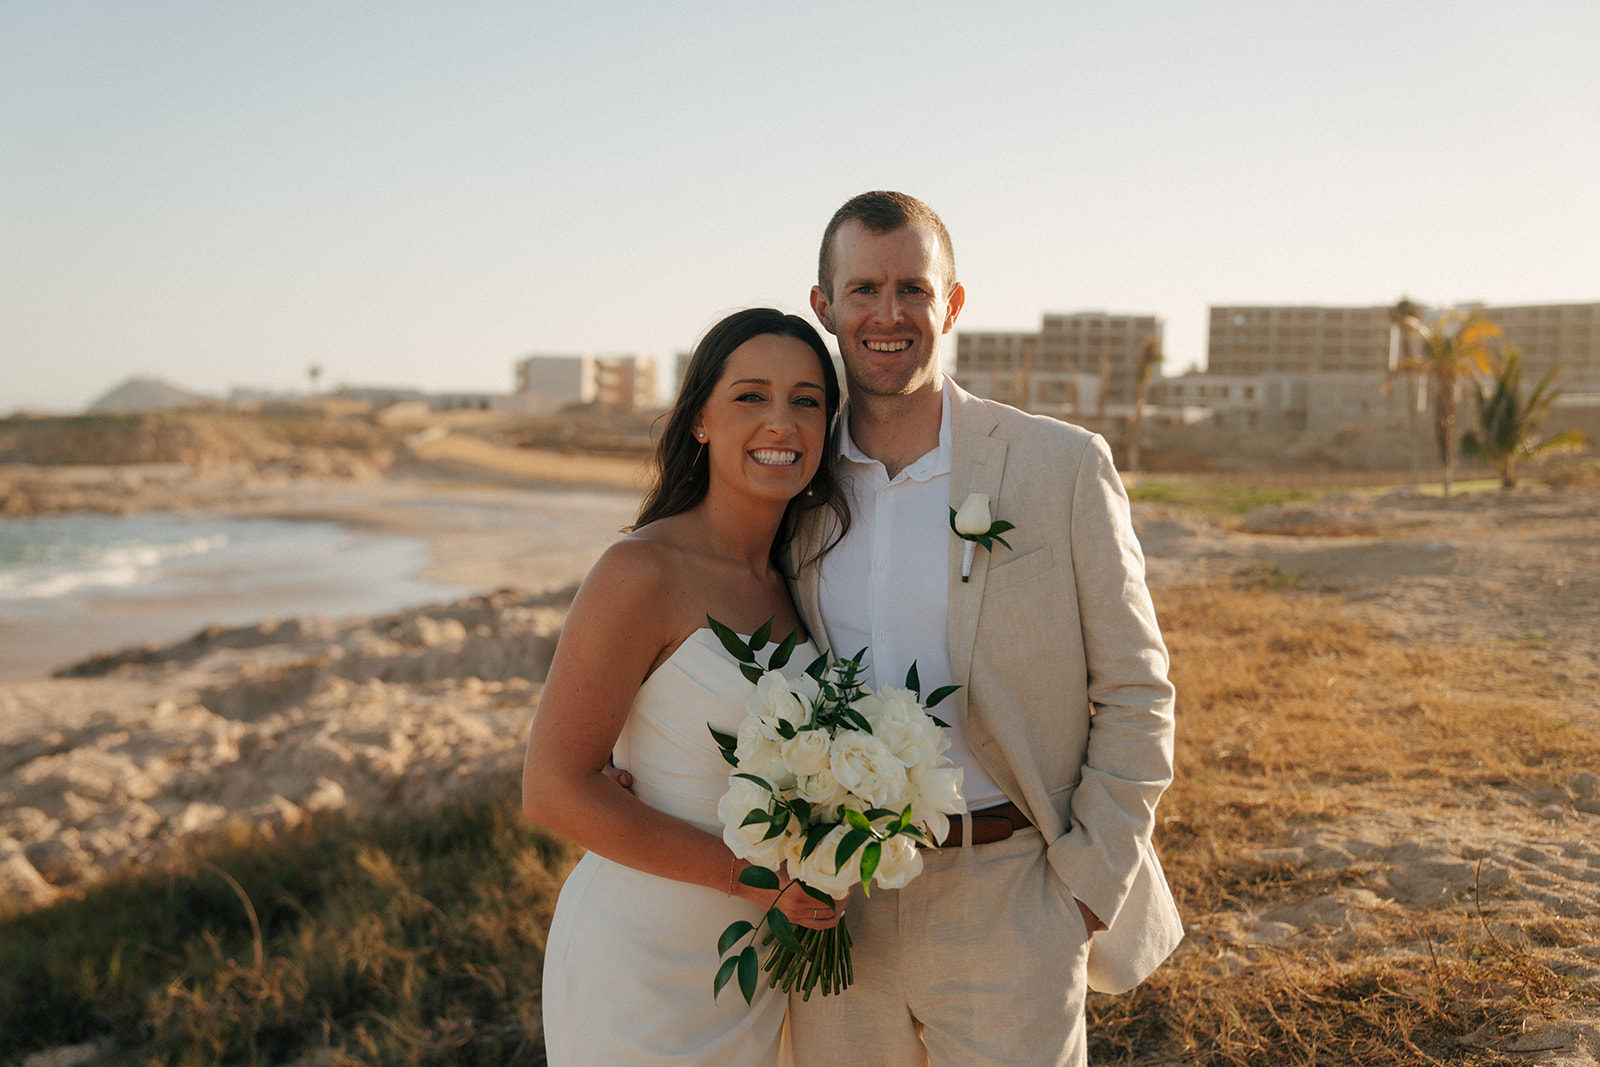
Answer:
x=1062 y=669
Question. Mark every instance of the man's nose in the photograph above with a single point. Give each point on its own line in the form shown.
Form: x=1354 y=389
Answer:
x=888 y=308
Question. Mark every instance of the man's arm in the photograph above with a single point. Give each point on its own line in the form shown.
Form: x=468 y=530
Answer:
x=1128 y=764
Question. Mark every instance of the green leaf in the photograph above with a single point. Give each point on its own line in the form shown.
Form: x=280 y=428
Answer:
x=733 y=761
x=996 y=537
x=752 y=673
x=783 y=930
x=785 y=649
x=817 y=894
x=940 y=723
x=818 y=666
x=814 y=838
x=1001 y=527
x=726 y=742
x=858 y=820
x=913 y=682
x=725 y=972
x=747 y=973
x=758 y=640
x=757 y=877
x=756 y=778
x=779 y=822
x=855 y=719
x=953 y=529
x=802 y=810
x=731 y=936
x=785 y=729
x=731 y=641
x=848 y=846
x=751 y=818
x=875 y=814
x=869 y=861
x=937 y=696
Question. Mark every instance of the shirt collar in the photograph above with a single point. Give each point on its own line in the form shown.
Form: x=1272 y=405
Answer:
x=929 y=466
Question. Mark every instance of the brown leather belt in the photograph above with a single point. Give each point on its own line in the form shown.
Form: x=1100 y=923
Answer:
x=989 y=825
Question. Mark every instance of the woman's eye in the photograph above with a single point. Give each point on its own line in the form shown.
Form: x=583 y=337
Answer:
x=750 y=398
x=807 y=401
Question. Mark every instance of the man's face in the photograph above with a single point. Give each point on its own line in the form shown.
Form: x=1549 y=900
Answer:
x=888 y=308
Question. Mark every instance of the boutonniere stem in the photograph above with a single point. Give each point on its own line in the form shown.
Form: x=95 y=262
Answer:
x=974 y=524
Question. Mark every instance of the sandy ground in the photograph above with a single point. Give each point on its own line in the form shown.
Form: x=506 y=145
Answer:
x=259 y=726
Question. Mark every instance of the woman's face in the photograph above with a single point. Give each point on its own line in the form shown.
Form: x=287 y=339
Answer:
x=765 y=424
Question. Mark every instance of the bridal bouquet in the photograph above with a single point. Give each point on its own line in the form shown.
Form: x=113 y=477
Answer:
x=835 y=780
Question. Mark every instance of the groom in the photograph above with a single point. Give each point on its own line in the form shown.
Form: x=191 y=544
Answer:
x=1064 y=720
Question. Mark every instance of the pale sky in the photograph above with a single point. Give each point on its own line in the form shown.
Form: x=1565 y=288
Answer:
x=405 y=193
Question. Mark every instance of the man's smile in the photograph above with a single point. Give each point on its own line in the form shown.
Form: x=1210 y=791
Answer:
x=888 y=346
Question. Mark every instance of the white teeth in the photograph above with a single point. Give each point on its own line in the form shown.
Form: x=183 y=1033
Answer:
x=888 y=346
x=775 y=457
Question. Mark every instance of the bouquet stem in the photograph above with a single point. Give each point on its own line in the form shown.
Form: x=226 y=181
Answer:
x=826 y=962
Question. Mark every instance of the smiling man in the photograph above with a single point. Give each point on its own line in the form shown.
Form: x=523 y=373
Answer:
x=1064 y=720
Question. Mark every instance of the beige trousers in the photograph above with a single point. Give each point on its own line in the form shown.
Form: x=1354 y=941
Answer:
x=980 y=960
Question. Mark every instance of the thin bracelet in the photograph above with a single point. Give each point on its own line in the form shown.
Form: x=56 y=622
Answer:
x=733 y=865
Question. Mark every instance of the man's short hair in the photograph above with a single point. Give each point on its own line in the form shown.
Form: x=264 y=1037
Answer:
x=884 y=212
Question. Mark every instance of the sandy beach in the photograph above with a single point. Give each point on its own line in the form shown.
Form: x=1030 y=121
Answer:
x=253 y=728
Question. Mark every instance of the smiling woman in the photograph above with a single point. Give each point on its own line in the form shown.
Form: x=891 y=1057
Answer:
x=637 y=678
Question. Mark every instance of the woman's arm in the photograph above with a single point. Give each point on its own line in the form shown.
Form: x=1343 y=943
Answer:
x=617 y=630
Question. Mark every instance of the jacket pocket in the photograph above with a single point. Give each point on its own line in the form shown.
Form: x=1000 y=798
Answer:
x=1015 y=569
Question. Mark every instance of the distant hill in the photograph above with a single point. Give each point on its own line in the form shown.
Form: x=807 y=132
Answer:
x=137 y=395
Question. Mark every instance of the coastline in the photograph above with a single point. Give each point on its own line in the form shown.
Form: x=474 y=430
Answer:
x=477 y=529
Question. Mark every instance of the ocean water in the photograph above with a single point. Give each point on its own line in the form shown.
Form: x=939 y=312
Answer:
x=71 y=585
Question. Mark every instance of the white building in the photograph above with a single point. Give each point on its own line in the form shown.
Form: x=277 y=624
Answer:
x=546 y=384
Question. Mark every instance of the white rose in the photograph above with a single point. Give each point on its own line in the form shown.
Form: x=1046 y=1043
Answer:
x=935 y=795
x=865 y=766
x=806 y=753
x=775 y=701
x=973 y=517
x=899 y=862
x=748 y=842
x=757 y=751
x=819 y=871
x=909 y=741
x=824 y=793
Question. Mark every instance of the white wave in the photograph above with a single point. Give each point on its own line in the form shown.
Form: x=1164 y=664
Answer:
x=116 y=566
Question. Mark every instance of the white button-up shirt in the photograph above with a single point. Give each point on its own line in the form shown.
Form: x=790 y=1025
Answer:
x=884 y=588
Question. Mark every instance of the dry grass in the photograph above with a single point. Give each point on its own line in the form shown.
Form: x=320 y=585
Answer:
x=417 y=940
x=1294 y=716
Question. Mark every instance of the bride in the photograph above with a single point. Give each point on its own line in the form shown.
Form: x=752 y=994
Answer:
x=638 y=676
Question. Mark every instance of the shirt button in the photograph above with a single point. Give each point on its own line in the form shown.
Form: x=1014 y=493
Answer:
x=879 y=568
x=880 y=636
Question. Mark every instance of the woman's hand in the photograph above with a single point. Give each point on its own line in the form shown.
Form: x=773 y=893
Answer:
x=798 y=906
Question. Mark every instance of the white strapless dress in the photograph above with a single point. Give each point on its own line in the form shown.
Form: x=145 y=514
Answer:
x=631 y=957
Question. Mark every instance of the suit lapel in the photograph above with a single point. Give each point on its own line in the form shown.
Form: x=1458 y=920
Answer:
x=977 y=465
x=803 y=587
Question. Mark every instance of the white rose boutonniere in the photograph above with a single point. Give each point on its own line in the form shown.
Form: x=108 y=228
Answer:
x=976 y=526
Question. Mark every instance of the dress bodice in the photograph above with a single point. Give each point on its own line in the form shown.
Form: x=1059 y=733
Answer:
x=666 y=743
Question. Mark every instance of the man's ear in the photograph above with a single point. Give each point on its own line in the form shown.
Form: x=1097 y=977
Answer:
x=820 y=308
x=958 y=299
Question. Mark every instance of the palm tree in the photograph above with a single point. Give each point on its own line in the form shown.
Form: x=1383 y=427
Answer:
x=1509 y=423
x=1149 y=359
x=1404 y=311
x=1453 y=346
